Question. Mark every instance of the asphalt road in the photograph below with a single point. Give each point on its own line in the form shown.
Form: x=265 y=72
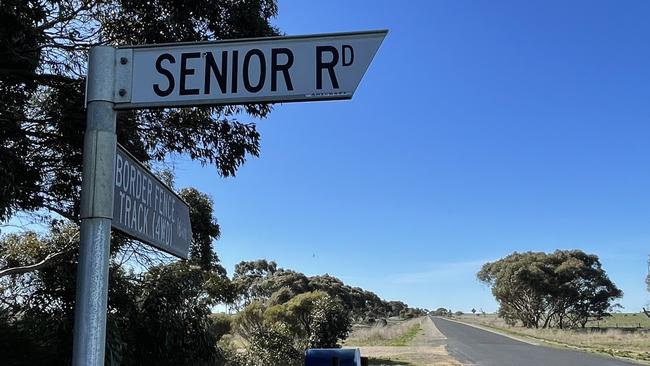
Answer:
x=473 y=346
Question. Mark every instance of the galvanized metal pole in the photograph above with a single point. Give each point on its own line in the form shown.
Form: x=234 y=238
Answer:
x=96 y=210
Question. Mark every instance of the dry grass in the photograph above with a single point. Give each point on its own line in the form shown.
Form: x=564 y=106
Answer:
x=416 y=342
x=615 y=342
x=622 y=320
x=409 y=356
x=393 y=334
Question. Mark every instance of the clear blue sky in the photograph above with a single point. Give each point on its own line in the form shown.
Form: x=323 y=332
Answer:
x=481 y=128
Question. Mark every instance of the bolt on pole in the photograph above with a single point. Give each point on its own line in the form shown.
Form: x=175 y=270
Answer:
x=96 y=210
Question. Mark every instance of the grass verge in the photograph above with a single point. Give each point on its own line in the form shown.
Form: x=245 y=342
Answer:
x=395 y=334
x=406 y=337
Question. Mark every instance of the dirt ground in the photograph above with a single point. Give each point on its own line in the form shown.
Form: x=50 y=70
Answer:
x=426 y=349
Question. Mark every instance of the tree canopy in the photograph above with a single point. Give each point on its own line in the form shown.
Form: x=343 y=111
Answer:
x=563 y=288
x=43 y=48
x=156 y=315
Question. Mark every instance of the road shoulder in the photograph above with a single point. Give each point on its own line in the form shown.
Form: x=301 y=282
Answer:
x=538 y=341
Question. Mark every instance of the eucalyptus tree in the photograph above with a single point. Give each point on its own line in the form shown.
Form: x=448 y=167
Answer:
x=563 y=288
x=43 y=49
x=158 y=312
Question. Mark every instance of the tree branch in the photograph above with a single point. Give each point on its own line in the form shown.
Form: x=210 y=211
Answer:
x=45 y=263
x=647 y=312
x=61 y=212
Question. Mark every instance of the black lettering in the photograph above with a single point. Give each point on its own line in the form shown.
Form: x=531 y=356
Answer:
x=343 y=49
x=165 y=72
x=320 y=65
x=275 y=67
x=235 y=68
x=220 y=74
x=246 y=71
x=185 y=71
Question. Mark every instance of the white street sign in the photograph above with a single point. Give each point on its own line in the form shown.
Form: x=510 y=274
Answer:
x=119 y=192
x=278 y=69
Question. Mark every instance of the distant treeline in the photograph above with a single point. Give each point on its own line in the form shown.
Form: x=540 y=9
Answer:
x=262 y=280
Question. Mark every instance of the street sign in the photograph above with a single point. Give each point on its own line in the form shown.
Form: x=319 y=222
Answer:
x=276 y=69
x=146 y=209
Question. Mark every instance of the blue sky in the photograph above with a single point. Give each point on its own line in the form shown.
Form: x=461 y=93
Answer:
x=481 y=128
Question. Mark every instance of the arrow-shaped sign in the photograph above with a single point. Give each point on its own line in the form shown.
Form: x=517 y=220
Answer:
x=277 y=69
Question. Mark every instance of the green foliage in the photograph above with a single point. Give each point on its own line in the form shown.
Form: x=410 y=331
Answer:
x=440 y=312
x=44 y=45
x=18 y=346
x=406 y=337
x=160 y=315
x=330 y=323
x=250 y=320
x=564 y=288
x=220 y=325
x=269 y=346
x=312 y=319
x=262 y=280
x=316 y=319
x=248 y=278
x=204 y=228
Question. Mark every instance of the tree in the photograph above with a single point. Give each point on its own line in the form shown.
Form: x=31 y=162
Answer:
x=330 y=323
x=44 y=46
x=172 y=324
x=314 y=319
x=269 y=346
x=264 y=281
x=440 y=312
x=516 y=287
x=38 y=305
x=564 y=288
x=151 y=315
x=204 y=228
x=248 y=277
x=396 y=308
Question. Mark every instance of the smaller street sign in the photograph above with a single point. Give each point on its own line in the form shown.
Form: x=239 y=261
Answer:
x=147 y=210
x=273 y=69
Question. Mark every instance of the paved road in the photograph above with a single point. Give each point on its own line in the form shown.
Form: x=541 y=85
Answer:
x=473 y=346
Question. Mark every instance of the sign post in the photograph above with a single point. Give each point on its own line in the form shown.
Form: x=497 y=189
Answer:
x=119 y=192
x=96 y=210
